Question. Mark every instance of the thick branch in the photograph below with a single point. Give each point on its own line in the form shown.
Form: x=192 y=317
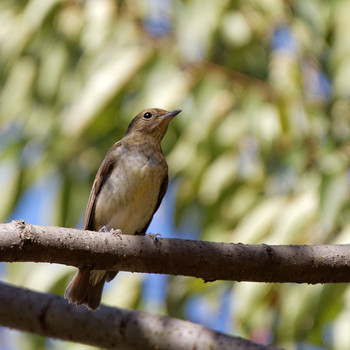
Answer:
x=207 y=260
x=50 y=315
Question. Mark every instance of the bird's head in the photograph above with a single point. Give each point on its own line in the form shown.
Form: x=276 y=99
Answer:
x=153 y=122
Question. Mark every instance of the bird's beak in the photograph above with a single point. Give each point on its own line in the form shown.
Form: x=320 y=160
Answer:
x=172 y=114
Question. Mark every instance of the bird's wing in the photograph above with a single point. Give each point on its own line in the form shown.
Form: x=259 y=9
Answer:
x=102 y=175
x=162 y=191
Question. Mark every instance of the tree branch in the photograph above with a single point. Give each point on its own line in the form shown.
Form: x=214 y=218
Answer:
x=208 y=260
x=110 y=328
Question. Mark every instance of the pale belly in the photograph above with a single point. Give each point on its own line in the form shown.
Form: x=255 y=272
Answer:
x=129 y=197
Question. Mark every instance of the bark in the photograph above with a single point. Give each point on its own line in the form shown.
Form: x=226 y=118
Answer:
x=208 y=260
x=110 y=328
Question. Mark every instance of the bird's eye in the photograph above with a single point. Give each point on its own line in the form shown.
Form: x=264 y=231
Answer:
x=147 y=115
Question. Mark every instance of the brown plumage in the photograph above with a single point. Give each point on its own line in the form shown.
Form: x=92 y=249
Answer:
x=128 y=189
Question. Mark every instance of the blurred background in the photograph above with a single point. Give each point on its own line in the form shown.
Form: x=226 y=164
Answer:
x=260 y=153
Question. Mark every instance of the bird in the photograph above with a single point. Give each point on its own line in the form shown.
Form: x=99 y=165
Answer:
x=128 y=189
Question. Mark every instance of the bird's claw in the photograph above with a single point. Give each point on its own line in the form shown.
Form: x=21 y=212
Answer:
x=117 y=232
x=155 y=236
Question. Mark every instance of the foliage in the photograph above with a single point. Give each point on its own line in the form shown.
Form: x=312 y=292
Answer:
x=260 y=153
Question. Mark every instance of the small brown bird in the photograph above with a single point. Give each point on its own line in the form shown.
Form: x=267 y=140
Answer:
x=128 y=189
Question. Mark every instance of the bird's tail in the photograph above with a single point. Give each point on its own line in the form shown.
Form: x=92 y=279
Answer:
x=86 y=288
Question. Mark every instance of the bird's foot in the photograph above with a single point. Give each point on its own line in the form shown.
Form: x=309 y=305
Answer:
x=116 y=232
x=155 y=236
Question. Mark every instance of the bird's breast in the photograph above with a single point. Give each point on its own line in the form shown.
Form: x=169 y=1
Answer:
x=129 y=196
